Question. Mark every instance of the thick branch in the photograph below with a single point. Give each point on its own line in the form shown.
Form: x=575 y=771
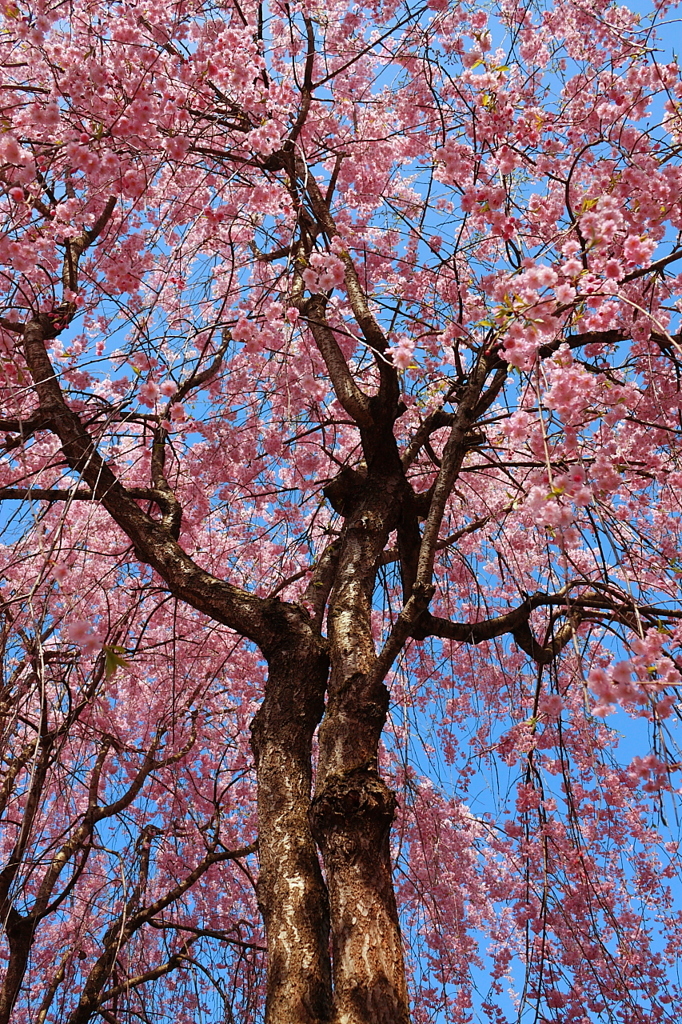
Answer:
x=611 y=337
x=251 y=616
x=434 y=421
x=75 y=247
x=318 y=590
x=209 y=933
x=653 y=267
x=174 y=961
x=36 y=421
x=516 y=622
x=371 y=331
x=352 y=398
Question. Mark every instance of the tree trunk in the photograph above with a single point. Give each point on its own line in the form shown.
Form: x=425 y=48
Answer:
x=291 y=892
x=353 y=815
x=353 y=808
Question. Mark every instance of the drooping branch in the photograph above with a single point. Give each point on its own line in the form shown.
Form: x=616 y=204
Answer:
x=121 y=930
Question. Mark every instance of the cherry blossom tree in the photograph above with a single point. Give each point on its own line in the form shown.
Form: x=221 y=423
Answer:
x=340 y=372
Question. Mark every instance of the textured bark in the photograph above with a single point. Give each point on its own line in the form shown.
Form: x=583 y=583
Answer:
x=353 y=808
x=291 y=892
x=353 y=816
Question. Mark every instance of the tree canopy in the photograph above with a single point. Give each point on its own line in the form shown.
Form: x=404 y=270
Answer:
x=340 y=381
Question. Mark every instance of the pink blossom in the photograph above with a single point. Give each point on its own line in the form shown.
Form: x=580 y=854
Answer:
x=551 y=704
x=133 y=183
x=82 y=633
x=10 y=150
x=613 y=270
x=176 y=146
x=572 y=267
x=265 y=139
x=507 y=160
x=149 y=393
x=637 y=250
x=564 y=293
x=402 y=354
x=245 y=330
x=517 y=427
x=317 y=389
x=326 y=271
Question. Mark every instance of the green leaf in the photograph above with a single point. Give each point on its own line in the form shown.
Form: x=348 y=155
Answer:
x=113 y=660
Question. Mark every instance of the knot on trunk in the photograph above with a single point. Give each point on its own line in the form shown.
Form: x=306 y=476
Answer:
x=353 y=811
x=342 y=491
